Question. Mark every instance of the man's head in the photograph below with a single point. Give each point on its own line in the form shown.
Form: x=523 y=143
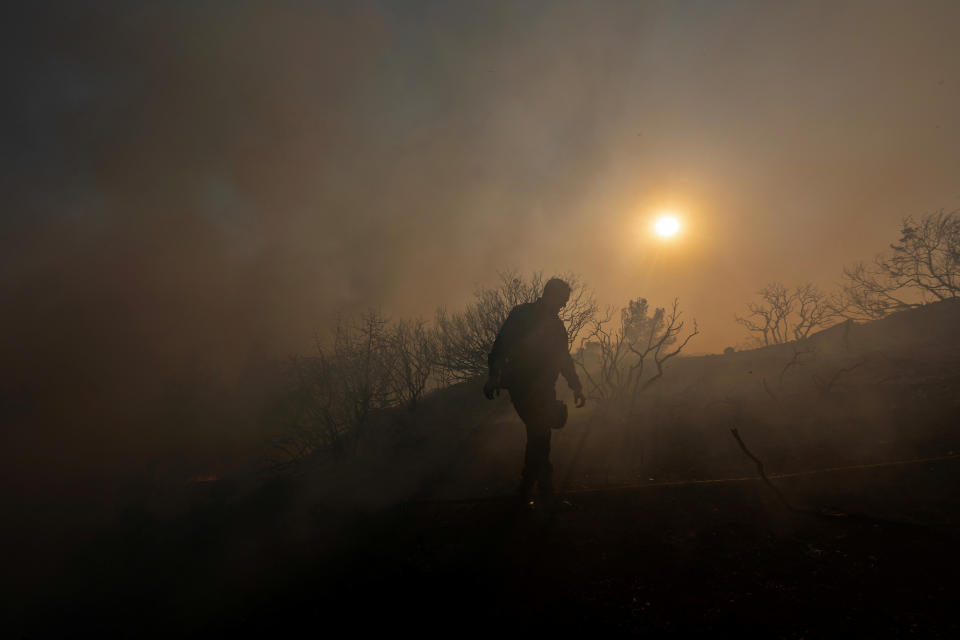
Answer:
x=555 y=294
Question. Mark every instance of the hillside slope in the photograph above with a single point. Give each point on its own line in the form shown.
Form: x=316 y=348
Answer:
x=853 y=394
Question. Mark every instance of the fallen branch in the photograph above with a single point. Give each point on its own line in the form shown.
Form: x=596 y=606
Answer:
x=828 y=515
x=759 y=463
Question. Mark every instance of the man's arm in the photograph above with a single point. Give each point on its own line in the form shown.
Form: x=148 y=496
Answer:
x=568 y=370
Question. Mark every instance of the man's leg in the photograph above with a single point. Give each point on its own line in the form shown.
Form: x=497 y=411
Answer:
x=545 y=479
x=538 y=468
x=533 y=409
x=527 y=478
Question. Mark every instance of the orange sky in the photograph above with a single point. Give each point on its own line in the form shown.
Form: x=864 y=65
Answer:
x=199 y=182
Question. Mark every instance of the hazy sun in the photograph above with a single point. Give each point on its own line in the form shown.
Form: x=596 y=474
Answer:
x=667 y=226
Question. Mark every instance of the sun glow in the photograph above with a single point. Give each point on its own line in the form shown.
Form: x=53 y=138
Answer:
x=667 y=226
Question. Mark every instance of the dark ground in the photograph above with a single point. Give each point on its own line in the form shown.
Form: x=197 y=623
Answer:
x=382 y=543
x=720 y=557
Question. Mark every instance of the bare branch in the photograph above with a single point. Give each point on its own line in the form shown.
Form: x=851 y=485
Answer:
x=798 y=354
x=784 y=315
x=923 y=266
x=614 y=359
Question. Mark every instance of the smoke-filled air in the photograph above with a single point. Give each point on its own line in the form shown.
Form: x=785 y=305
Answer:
x=444 y=318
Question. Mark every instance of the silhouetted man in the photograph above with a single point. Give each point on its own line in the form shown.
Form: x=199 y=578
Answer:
x=528 y=354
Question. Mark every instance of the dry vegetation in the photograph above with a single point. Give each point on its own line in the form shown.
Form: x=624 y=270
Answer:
x=394 y=468
x=923 y=266
x=377 y=370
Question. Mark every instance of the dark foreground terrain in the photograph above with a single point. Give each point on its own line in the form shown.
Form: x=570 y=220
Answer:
x=723 y=556
x=670 y=530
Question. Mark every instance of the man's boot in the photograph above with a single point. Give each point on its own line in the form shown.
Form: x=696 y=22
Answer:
x=545 y=485
x=546 y=499
x=525 y=492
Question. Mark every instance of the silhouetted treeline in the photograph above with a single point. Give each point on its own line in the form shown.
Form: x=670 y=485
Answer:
x=922 y=266
x=374 y=366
